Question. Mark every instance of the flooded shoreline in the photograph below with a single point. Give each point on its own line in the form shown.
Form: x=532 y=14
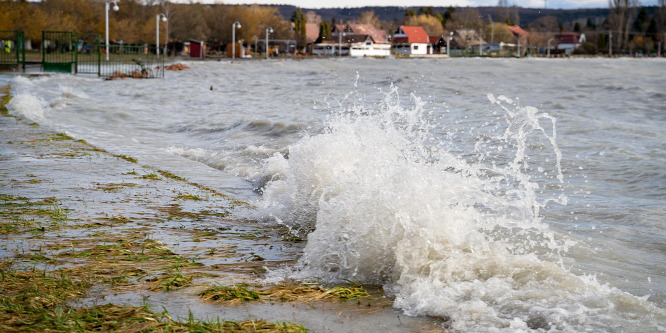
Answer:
x=502 y=202
x=141 y=236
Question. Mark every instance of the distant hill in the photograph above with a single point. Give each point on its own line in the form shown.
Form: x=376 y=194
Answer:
x=527 y=15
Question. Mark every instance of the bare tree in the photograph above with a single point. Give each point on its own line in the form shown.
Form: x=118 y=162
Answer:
x=469 y=18
x=369 y=18
x=312 y=17
x=620 y=18
x=546 y=24
x=429 y=23
x=660 y=18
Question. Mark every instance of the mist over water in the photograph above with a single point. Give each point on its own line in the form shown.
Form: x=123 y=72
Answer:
x=500 y=195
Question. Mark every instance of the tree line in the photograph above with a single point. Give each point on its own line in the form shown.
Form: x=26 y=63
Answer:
x=627 y=27
x=134 y=22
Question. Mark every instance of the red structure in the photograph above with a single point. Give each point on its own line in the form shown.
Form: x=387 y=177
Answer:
x=197 y=49
x=568 y=38
x=411 y=34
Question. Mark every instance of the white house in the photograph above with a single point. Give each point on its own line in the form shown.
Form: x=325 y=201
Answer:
x=411 y=40
x=356 y=40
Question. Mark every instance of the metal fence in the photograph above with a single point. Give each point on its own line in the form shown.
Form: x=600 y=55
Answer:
x=474 y=52
x=136 y=61
x=88 y=54
x=59 y=51
x=12 y=48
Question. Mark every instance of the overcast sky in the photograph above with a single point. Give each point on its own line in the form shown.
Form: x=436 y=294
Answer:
x=567 y=4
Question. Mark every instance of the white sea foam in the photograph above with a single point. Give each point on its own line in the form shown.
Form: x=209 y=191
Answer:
x=28 y=106
x=22 y=81
x=197 y=154
x=381 y=202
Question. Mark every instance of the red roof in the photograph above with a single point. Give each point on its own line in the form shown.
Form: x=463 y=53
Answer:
x=415 y=34
x=568 y=38
x=517 y=31
x=435 y=39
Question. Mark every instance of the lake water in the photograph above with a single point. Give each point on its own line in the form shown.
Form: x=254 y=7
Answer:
x=499 y=194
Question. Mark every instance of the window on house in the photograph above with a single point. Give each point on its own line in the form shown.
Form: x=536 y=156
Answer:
x=416 y=47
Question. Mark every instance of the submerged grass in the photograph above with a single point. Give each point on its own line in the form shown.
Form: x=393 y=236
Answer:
x=37 y=290
x=19 y=214
x=189 y=197
x=3 y=102
x=108 y=257
x=170 y=175
x=115 y=187
x=127 y=158
x=236 y=293
x=171 y=282
x=132 y=250
x=117 y=219
x=152 y=176
x=60 y=137
x=282 y=293
x=39 y=301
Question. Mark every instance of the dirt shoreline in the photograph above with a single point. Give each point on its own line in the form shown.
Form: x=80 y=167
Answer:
x=131 y=236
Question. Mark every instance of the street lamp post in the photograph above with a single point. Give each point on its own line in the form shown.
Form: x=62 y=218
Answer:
x=157 y=34
x=340 y=34
x=448 y=41
x=115 y=8
x=268 y=30
x=549 y=40
x=233 y=38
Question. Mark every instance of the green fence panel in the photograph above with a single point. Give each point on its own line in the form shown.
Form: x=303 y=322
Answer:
x=59 y=51
x=89 y=53
x=12 y=48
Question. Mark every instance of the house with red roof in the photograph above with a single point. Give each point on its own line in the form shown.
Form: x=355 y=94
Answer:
x=568 y=41
x=411 y=40
x=520 y=36
x=438 y=44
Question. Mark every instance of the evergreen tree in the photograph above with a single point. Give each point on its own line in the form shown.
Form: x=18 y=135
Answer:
x=449 y=15
x=299 y=27
x=324 y=32
x=601 y=42
x=427 y=11
x=642 y=21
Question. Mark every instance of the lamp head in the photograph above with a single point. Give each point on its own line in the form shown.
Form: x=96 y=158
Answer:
x=115 y=7
x=270 y=30
x=164 y=19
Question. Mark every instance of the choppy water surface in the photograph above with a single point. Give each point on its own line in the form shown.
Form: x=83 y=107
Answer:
x=504 y=195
